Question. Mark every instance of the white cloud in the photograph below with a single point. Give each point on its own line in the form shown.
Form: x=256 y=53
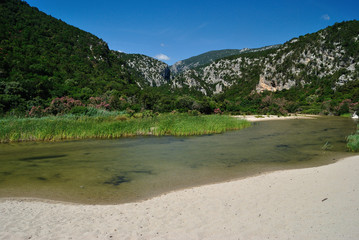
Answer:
x=162 y=57
x=162 y=44
x=326 y=17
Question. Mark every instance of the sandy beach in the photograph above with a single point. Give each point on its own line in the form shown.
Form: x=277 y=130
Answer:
x=313 y=203
x=258 y=118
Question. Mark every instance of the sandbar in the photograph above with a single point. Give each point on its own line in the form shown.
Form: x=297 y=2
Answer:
x=258 y=118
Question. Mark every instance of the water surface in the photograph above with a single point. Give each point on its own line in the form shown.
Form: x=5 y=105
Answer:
x=130 y=169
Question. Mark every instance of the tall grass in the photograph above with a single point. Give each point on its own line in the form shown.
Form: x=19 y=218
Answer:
x=353 y=141
x=113 y=126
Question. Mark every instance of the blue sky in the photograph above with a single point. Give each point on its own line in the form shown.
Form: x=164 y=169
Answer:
x=176 y=30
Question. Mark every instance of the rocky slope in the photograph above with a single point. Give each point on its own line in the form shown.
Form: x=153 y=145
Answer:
x=209 y=57
x=331 y=54
x=152 y=72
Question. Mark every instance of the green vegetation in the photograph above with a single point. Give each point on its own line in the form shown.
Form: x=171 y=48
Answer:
x=353 y=141
x=43 y=58
x=109 y=125
x=45 y=62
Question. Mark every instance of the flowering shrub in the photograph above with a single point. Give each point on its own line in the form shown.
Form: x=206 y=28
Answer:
x=65 y=105
x=217 y=111
x=346 y=106
x=274 y=105
x=62 y=105
x=118 y=103
x=99 y=103
x=36 y=111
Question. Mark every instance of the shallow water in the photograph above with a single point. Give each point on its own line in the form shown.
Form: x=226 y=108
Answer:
x=130 y=169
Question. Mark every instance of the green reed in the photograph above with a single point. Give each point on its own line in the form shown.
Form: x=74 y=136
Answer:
x=81 y=127
x=353 y=141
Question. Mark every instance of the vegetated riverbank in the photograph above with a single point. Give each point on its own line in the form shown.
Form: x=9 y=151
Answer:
x=113 y=126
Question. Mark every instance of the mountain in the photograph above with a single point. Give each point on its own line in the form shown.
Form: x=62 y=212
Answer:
x=328 y=56
x=208 y=57
x=153 y=72
x=43 y=58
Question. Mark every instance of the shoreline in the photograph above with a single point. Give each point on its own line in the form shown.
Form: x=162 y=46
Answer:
x=259 y=118
x=310 y=203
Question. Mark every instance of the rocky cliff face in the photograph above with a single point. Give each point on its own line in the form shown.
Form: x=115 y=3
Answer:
x=331 y=54
x=300 y=62
x=152 y=72
x=203 y=59
x=155 y=73
x=219 y=75
x=211 y=56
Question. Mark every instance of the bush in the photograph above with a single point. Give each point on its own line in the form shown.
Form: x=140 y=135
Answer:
x=138 y=115
x=99 y=103
x=217 y=111
x=63 y=105
x=79 y=110
x=36 y=111
x=193 y=113
x=148 y=113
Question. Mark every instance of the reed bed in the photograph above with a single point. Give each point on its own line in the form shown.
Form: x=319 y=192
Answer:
x=353 y=141
x=83 y=127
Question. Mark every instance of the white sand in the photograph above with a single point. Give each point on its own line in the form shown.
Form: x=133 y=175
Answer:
x=314 y=203
x=257 y=118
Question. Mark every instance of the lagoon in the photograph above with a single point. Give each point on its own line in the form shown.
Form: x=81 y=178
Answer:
x=131 y=169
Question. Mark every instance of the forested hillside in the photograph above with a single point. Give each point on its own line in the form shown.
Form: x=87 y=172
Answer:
x=47 y=64
x=315 y=73
x=43 y=58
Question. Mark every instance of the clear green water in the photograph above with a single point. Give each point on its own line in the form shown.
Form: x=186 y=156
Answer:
x=130 y=169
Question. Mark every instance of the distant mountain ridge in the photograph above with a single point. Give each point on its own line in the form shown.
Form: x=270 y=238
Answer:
x=329 y=55
x=208 y=57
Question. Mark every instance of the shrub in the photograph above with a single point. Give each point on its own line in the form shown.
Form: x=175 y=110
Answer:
x=217 y=111
x=148 y=113
x=99 y=103
x=130 y=112
x=60 y=106
x=193 y=113
x=138 y=115
x=346 y=106
x=79 y=110
x=36 y=111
